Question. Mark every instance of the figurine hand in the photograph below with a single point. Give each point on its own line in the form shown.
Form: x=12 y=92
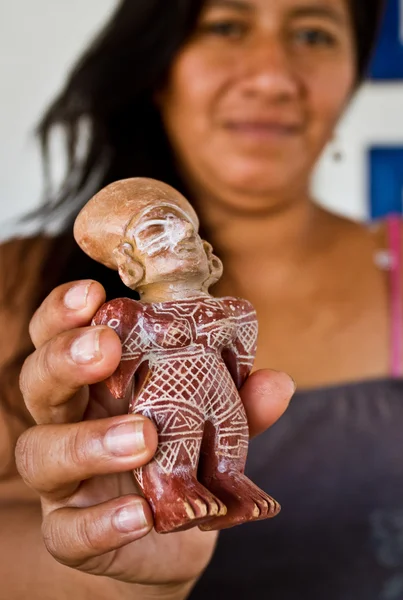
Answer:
x=80 y=455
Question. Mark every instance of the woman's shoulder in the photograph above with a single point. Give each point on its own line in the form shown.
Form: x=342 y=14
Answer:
x=19 y=256
x=21 y=264
x=384 y=235
x=387 y=234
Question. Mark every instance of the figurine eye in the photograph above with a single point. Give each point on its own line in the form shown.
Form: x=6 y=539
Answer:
x=154 y=230
x=161 y=233
x=151 y=236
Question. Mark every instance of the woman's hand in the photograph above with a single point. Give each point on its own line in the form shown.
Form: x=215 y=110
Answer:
x=80 y=455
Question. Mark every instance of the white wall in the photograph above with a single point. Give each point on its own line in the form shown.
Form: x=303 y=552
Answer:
x=39 y=40
x=374 y=118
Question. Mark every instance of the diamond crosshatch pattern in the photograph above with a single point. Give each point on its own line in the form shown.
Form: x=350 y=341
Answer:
x=187 y=382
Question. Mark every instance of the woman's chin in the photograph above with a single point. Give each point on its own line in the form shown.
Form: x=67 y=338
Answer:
x=259 y=175
x=254 y=182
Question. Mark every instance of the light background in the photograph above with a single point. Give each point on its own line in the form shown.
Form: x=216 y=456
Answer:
x=39 y=40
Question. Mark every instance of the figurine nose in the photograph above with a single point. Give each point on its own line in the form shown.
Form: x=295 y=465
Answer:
x=187 y=231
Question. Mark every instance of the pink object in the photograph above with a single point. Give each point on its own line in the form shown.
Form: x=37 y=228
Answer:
x=395 y=273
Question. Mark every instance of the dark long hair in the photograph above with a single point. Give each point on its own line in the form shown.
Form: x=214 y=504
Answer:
x=111 y=88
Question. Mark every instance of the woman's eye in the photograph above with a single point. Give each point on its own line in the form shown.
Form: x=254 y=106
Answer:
x=314 y=37
x=224 y=28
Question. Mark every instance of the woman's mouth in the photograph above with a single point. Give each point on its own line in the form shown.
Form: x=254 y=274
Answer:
x=259 y=130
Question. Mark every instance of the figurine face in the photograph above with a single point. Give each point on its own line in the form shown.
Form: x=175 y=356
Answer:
x=167 y=246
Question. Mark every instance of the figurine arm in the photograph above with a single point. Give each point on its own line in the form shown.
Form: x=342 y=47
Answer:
x=125 y=317
x=239 y=356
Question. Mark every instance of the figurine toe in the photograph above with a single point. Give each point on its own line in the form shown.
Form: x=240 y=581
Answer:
x=244 y=500
x=185 y=504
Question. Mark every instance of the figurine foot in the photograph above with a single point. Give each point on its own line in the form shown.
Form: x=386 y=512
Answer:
x=244 y=500
x=183 y=504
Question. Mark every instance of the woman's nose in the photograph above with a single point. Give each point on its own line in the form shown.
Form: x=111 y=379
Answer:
x=269 y=71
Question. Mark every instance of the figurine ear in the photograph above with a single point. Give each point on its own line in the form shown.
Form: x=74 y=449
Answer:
x=130 y=271
x=215 y=264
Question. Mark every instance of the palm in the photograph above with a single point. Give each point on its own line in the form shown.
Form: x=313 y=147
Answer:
x=155 y=559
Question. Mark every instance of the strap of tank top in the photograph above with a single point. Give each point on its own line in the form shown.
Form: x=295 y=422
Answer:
x=394 y=224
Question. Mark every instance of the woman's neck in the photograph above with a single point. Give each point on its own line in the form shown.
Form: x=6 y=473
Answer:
x=276 y=241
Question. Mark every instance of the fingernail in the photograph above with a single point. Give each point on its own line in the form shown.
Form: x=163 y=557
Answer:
x=130 y=518
x=126 y=439
x=85 y=349
x=76 y=297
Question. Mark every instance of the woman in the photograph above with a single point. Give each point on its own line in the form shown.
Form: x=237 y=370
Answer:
x=232 y=102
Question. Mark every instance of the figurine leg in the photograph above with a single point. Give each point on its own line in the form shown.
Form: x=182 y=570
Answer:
x=178 y=501
x=222 y=464
x=169 y=481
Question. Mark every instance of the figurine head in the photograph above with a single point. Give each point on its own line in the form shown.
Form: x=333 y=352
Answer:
x=148 y=232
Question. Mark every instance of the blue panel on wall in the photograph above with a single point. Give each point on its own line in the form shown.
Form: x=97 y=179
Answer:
x=388 y=59
x=386 y=180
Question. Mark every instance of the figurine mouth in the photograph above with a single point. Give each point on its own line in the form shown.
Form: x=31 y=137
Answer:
x=185 y=250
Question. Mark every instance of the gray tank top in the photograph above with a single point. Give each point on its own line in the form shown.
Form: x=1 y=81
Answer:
x=334 y=461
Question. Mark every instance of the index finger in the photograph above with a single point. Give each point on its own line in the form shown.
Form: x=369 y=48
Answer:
x=68 y=306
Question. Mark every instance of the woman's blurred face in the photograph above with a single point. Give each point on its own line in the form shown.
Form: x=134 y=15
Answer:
x=254 y=95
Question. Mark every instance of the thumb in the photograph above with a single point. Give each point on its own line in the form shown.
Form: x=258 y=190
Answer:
x=266 y=395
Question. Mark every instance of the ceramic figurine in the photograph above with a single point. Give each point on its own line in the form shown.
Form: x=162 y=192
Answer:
x=185 y=354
